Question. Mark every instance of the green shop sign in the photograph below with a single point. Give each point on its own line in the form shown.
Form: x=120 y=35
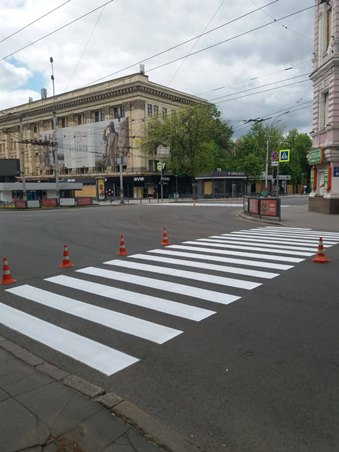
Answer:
x=315 y=156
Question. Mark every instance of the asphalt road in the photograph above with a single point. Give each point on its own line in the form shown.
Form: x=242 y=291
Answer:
x=261 y=374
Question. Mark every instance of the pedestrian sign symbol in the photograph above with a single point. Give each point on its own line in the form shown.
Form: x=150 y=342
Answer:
x=284 y=155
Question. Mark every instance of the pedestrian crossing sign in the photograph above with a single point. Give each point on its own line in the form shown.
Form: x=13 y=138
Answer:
x=284 y=155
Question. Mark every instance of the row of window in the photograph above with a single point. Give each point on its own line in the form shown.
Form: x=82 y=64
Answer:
x=79 y=119
x=154 y=110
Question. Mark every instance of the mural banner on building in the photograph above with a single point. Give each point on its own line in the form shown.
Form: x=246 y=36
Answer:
x=95 y=145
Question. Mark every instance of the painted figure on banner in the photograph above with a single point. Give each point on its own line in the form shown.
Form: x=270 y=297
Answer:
x=111 y=139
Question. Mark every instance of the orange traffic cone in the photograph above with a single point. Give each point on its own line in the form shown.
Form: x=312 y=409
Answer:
x=321 y=258
x=66 y=263
x=7 y=278
x=122 y=249
x=165 y=240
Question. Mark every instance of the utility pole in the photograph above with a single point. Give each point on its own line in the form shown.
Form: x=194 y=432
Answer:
x=121 y=171
x=55 y=144
x=266 y=170
x=22 y=160
x=121 y=178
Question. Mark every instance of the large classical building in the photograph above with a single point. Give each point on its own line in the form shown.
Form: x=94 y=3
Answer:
x=324 y=156
x=92 y=133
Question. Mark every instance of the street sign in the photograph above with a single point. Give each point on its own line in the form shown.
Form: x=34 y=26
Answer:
x=284 y=155
x=274 y=163
x=159 y=166
x=275 y=155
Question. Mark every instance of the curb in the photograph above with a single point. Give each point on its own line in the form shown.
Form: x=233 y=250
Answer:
x=243 y=215
x=147 y=425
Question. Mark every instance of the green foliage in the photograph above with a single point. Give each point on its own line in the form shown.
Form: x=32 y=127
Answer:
x=197 y=139
x=252 y=148
x=261 y=140
x=300 y=144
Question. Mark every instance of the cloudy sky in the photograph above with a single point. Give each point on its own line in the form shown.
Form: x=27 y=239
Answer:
x=250 y=57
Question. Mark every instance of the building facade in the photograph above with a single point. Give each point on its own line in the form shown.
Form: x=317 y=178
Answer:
x=92 y=132
x=324 y=155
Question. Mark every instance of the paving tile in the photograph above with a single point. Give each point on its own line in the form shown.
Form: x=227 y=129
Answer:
x=59 y=407
x=132 y=441
x=4 y=395
x=103 y=429
x=20 y=429
x=21 y=381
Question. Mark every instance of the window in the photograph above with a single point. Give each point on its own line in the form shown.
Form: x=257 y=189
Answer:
x=149 y=110
x=63 y=122
x=324 y=110
x=164 y=112
x=151 y=165
x=119 y=112
x=80 y=119
x=156 y=110
x=98 y=116
x=329 y=22
x=325 y=27
x=35 y=129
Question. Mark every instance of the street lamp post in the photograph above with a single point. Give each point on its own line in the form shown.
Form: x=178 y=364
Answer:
x=266 y=170
x=55 y=144
x=121 y=178
x=22 y=160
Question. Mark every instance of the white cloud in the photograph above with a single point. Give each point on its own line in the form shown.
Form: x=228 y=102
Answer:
x=128 y=31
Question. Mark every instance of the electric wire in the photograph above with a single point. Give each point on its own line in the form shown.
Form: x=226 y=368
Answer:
x=180 y=44
x=56 y=30
x=257 y=87
x=231 y=39
x=85 y=48
x=34 y=21
x=195 y=43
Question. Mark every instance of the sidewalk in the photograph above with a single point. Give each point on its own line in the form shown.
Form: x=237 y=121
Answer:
x=42 y=408
x=299 y=217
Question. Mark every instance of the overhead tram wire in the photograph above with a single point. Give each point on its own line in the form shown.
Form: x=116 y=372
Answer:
x=283 y=25
x=257 y=87
x=56 y=30
x=195 y=43
x=263 y=91
x=232 y=38
x=181 y=44
x=251 y=79
x=275 y=115
x=85 y=48
x=34 y=21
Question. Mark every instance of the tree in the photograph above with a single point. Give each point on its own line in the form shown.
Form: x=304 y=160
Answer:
x=196 y=137
x=297 y=167
x=252 y=149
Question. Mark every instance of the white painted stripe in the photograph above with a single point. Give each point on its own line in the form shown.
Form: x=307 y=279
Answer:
x=228 y=260
x=203 y=242
x=249 y=242
x=231 y=282
x=305 y=234
x=265 y=239
x=98 y=356
x=210 y=295
x=137 y=299
x=330 y=239
x=236 y=253
x=306 y=231
x=206 y=266
x=114 y=320
x=284 y=227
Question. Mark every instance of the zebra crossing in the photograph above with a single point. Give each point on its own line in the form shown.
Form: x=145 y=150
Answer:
x=208 y=272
